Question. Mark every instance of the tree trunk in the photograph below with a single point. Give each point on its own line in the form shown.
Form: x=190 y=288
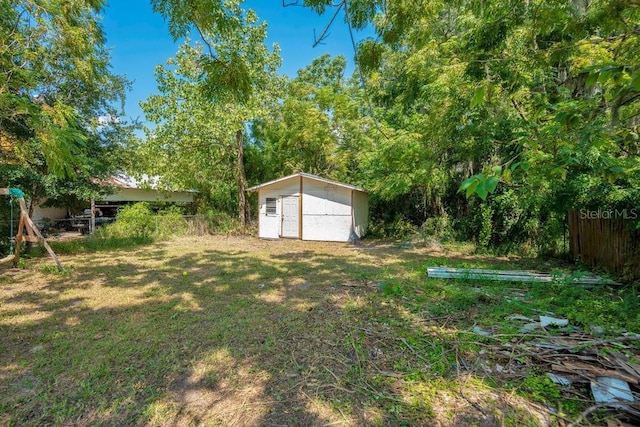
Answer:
x=615 y=113
x=242 y=181
x=32 y=206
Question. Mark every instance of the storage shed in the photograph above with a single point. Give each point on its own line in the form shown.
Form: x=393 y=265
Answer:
x=309 y=207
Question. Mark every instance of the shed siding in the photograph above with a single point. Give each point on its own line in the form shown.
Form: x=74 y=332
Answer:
x=360 y=213
x=323 y=199
x=326 y=228
x=326 y=213
x=269 y=226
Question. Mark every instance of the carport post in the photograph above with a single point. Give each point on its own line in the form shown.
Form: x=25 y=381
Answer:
x=92 y=224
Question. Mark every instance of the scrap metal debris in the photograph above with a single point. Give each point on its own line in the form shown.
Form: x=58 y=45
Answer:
x=604 y=370
x=611 y=390
x=559 y=379
x=516 y=276
x=546 y=321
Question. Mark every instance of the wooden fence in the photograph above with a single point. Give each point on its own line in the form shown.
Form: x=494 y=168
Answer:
x=607 y=240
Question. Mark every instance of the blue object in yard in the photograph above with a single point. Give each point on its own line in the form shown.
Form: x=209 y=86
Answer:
x=16 y=192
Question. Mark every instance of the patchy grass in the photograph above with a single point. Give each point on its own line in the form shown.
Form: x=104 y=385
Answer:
x=97 y=244
x=240 y=331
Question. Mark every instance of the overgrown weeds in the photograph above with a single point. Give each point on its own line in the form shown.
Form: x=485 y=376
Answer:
x=211 y=222
x=139 y=221
x=139 y=225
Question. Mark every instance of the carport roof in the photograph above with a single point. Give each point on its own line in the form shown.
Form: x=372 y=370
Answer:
x=309 y=176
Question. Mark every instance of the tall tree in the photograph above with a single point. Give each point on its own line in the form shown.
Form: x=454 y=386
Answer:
x=54 y=82
x=209 y=96
x=543 y=96
x=56 y=93
x=313 y=127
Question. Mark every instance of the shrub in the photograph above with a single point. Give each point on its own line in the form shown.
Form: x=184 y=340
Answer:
x=400 y=228
x=170 y=222
x=133 y=221
x=5 y=231
x=212 y=222
x=436 y=228
x=222 y=222
x=484 y=236
x=138 y=220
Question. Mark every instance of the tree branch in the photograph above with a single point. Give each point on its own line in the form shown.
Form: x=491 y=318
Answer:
x=325 y=33
x=205 y=41
x=523 y=116
x=629 y=100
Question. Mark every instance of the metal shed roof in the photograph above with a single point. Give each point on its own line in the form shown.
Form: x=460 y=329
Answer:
x=309 y=176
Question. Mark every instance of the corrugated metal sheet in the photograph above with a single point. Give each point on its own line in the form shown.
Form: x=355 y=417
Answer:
x=309 y=176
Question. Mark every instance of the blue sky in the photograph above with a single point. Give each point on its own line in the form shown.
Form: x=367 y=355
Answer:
x=139 y=40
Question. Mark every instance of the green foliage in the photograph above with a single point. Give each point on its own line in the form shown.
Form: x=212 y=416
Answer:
x=139 y=221
x=437 y=228
x=534 y=101
x=58 y=98
x=135 y=220
x=214 y=222
x=170 y=222
x=608 y=308
x=209 y=92
x=481 y=184
x=399 y=228
x=5 y=231
x=313 y=127
x=541 y=388
x=221 y=223
x=484 y=236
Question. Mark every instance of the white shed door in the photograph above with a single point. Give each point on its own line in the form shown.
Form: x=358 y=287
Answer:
x=290 y=216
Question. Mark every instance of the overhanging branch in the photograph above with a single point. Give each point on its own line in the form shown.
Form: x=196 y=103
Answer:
x=325 y=32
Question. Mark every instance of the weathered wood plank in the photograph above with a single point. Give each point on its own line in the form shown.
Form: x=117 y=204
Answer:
x=32 y=233
x=580 y=368
x=7 y=259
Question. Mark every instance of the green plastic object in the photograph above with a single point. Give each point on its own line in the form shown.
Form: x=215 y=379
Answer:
x=16 y=192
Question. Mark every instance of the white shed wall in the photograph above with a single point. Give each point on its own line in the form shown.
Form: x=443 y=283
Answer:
x=269 y=225
x=327 y=228
x=360 y=213
x=330 y=212
x=326 y=212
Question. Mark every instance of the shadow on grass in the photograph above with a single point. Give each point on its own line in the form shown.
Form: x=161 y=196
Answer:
x=97 y=244
x=254 y=334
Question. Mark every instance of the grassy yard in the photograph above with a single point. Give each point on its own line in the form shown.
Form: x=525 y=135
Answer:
x=240 y=331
